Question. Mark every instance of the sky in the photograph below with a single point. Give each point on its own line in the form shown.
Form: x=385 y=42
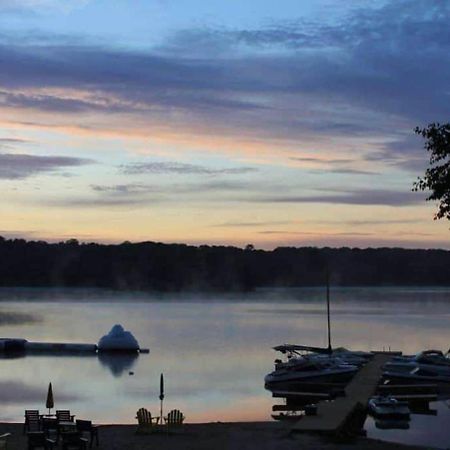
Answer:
x=209 y=122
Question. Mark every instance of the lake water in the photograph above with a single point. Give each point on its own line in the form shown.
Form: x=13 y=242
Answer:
x=214 y=351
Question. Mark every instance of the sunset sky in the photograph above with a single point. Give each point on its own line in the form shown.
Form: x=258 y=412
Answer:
x=221 y=122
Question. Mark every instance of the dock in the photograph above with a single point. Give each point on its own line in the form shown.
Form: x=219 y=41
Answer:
x=332 y=416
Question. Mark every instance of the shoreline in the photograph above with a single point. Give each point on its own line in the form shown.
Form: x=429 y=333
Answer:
x=217 y=435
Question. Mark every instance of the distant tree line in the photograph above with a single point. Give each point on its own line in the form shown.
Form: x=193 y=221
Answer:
x=174 y=267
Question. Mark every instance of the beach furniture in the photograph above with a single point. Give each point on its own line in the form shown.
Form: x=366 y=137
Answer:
x=39 y=440
x=63 y=415
x=4 y=441
x=146 y=423
x=50 y=427
x=32 y=420
x=174 y=420
x=73 y=440
x=85 y=426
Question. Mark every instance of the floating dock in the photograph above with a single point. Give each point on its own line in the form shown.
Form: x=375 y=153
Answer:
x=332 y=416
x=11 y=346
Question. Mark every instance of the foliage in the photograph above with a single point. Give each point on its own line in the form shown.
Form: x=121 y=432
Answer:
x=153 y=266
x=437 y=176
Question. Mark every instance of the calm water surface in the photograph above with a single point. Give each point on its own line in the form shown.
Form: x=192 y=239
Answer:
x=214 y=351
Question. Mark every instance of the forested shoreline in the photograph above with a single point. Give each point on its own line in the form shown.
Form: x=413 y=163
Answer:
x=177 y=267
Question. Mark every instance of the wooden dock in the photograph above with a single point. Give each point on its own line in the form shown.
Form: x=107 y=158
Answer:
x=332 y=416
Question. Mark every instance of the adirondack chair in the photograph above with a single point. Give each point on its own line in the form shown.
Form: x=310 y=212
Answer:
x=4 y=441
x=86 y=426
x=38 y=440
x=174 y=420
x=146 y=423
x=32 y=420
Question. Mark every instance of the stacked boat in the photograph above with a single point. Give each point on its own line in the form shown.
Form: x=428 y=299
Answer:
x=389 y=413
x=425 y=367
x=305 y=364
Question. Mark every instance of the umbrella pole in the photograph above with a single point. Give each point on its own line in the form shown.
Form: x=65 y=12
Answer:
x=161 y=411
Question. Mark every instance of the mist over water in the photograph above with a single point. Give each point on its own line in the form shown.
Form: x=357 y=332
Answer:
x=213 y=350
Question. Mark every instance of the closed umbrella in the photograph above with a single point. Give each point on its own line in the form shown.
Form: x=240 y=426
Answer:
x=49 y=403
x=161 y=394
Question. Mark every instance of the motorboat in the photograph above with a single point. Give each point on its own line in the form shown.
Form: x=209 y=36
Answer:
x=311 y=370
x=392 y=424
x=388 y=407
x=429 y=360
x=417 y=374
x=307 y=364
x=340 y=355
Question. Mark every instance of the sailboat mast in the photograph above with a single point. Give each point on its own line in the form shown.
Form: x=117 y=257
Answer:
x=328 y=310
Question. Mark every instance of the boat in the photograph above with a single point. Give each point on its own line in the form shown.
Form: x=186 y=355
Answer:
x=417 y=375
x=294 y=416
x=341 y=355
x=388 y=407
x=429 y=360
x=310 y=370
x=392 y=424
x=308 y=364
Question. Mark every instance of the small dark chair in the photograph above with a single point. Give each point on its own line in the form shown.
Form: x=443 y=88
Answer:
x=86 y=426
x=32 y=420
x=63 y=415
x=146 y=423
x=38 y=439
x=73 y=440
x=174 y=420
x=50 y=427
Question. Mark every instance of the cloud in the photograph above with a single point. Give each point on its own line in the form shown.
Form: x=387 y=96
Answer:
x=40 y=5
x=370 y=222
x=251 y=224
x=19 y=166
x=136 y=195
x=11 y=141
x=369 y=74
x=351 y=197
x=345 y=171
x=321 y=160
x=406 y=153
x=125 y=189
x=314 y=233
x=181 y=169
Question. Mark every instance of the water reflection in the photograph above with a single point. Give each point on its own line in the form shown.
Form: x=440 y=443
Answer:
x=118 y=363
x=213 y=354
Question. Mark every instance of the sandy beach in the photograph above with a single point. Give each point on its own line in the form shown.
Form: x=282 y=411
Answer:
x=218 y=436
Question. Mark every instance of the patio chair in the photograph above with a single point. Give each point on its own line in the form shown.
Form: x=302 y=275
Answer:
x=4 y=441
x=50 y=427
x=32 y=420
x=63 y=415
x=87 y=426
x=174 y=420
x=38 y=440
x=73 y=440
x=146 y=423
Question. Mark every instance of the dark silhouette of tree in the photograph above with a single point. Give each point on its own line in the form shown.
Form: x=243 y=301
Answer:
x=153 y=266
x=437 y=176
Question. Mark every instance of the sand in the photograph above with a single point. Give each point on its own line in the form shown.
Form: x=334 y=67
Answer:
x=217 y=436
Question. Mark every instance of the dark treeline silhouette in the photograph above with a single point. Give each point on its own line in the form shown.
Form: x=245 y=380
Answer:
x=176 y=267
